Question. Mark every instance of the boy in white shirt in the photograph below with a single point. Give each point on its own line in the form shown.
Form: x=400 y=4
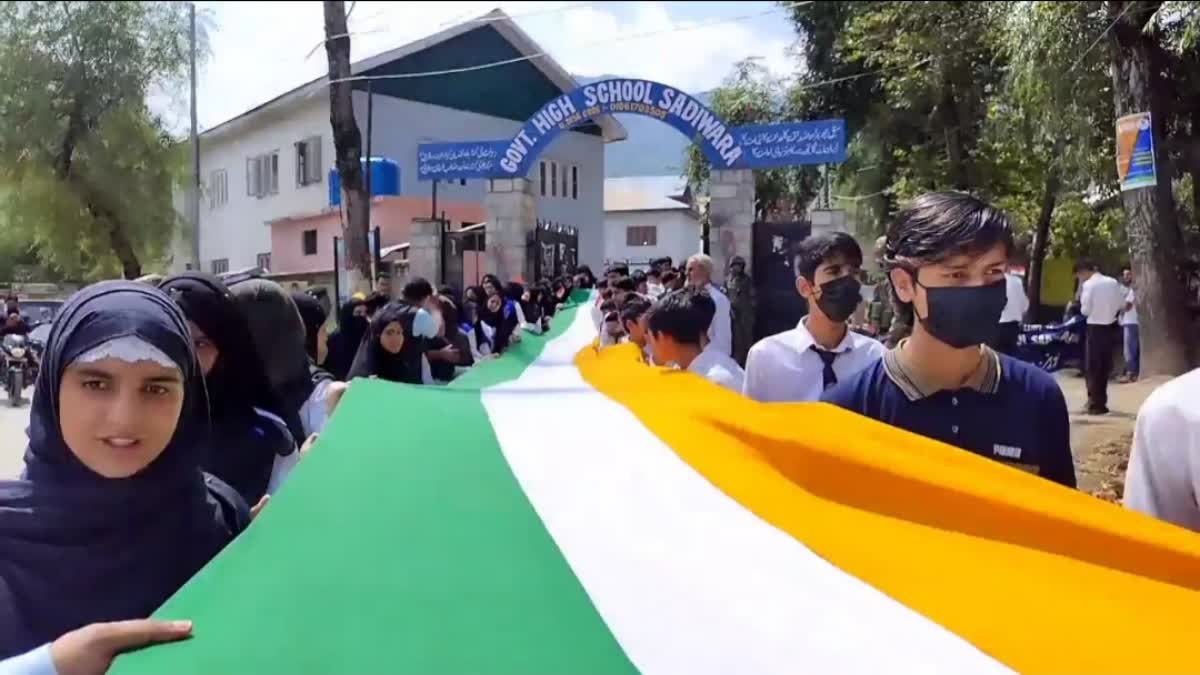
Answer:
x=1164 y=465
x=800 y=364
x=676 y=327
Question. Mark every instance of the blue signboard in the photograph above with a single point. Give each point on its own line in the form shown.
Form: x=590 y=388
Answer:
x=470 y=159
x=759 y=146
x=766 y=146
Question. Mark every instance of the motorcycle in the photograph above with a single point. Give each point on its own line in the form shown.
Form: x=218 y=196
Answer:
x=19 y=366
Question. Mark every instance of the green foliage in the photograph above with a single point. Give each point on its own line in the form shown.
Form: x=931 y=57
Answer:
x=87 y=173
x=749 y=95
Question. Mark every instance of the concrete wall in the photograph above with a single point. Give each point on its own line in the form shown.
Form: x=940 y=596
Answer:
x=400 y=126
x=678 y=235
x=392 y=215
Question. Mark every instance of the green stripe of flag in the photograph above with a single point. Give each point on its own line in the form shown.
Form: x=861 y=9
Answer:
x=402 y=544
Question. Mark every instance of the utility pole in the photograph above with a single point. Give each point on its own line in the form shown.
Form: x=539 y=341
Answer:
x=194 y=201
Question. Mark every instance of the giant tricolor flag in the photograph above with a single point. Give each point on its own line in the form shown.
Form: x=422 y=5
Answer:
x=563 y=510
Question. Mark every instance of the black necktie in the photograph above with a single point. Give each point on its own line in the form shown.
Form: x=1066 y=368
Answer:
x=828 y=377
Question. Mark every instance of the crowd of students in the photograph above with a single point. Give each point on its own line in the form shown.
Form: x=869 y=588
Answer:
x=168 y=411
x=166 y=414
x=946 y=258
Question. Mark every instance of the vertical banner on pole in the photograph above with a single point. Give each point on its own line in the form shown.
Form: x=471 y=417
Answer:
x=1135 y=152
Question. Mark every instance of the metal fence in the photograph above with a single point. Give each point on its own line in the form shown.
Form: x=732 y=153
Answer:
x=552 y=250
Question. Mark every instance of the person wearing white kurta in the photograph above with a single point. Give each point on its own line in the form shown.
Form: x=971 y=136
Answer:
x=720 y=331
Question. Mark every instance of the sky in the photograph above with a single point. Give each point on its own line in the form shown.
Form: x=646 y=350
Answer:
x=262 y=49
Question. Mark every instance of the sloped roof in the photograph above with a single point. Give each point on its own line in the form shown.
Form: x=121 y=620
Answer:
x=646 y=193
x=494 y=23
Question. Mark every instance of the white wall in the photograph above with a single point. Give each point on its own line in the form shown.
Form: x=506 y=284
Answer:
x=678 y=235
x=399 y=126
x=238 y=230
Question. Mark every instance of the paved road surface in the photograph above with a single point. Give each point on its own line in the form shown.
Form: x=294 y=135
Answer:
x=12 y=436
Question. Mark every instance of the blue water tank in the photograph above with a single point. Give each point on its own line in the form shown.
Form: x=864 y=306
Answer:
x=385 y=179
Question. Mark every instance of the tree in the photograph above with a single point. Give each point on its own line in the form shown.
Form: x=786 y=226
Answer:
x=1138 y=65
x=912 y=80
x=87 y=172
x=1048 y=130
x=347 y=143
x=749 y=95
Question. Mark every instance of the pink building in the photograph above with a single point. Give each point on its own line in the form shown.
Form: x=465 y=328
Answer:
x=302 y=246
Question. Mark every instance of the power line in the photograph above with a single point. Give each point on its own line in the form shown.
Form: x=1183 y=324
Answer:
x=458 y=20
x=1128 y=6
x=544 y=54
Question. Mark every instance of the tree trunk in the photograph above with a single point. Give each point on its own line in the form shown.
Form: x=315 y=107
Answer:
x=1041 y=240
x=1154 y=240
x=347 y=143
x=952 y=129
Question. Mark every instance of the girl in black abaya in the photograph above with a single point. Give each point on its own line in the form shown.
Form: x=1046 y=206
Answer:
x=113 y=514
x=278 y=336
x=316 y=340
x=251 y=447
x=391 y=351
x=344 y=343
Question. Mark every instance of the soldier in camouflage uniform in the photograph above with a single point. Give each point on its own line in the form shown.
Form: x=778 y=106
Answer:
x=889 y=326
x=739 y=287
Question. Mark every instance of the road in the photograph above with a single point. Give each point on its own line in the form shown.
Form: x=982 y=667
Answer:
x=12 y=437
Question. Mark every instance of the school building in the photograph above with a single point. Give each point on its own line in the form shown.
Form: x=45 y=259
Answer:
x=266 y=200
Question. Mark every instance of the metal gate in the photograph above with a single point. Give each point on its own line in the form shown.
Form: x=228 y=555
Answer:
x=774 y=249
x=552 y=250
x=456 y=245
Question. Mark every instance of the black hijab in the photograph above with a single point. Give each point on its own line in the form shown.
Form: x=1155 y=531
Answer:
x=344 y=343
x=244 y=444
x=77 y=548
x=313 y=316
x=373 y=359
x=278 y=334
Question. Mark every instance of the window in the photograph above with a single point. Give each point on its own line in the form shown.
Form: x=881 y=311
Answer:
x=553 y=179
x=641 y=235
x=462 y=181
x=308 y=161
x=564 y=182
x=574 y=182
x=262 y=175
x=310 y=242
x=264 y=262
x=218 y=188
x=542 y=165
x=220 y=265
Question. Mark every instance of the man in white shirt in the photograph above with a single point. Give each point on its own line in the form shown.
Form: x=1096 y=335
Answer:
x=1101 y=301
x=720 y=332
x=1010 y=318
x=1129 y=326
x=800 y=364
x=675 y=330
x=1164 y=465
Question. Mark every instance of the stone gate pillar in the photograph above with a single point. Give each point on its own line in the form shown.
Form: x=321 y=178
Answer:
x=424 y=252
x=731 y=218
x=512 y=215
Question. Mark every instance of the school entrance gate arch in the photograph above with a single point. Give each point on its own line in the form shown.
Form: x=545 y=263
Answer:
x=733 y=152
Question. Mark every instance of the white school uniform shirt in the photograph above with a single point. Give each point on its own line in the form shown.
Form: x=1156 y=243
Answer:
x=1101 y=300
x=784 y=367
x=720 y=331
x=718 y=367
x=1129 y=317
x=283 y=463
x=1018 y=302
x=1164 y=465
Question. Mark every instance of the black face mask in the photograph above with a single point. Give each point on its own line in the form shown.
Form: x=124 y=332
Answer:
x=839 y=298
x=964 y=316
